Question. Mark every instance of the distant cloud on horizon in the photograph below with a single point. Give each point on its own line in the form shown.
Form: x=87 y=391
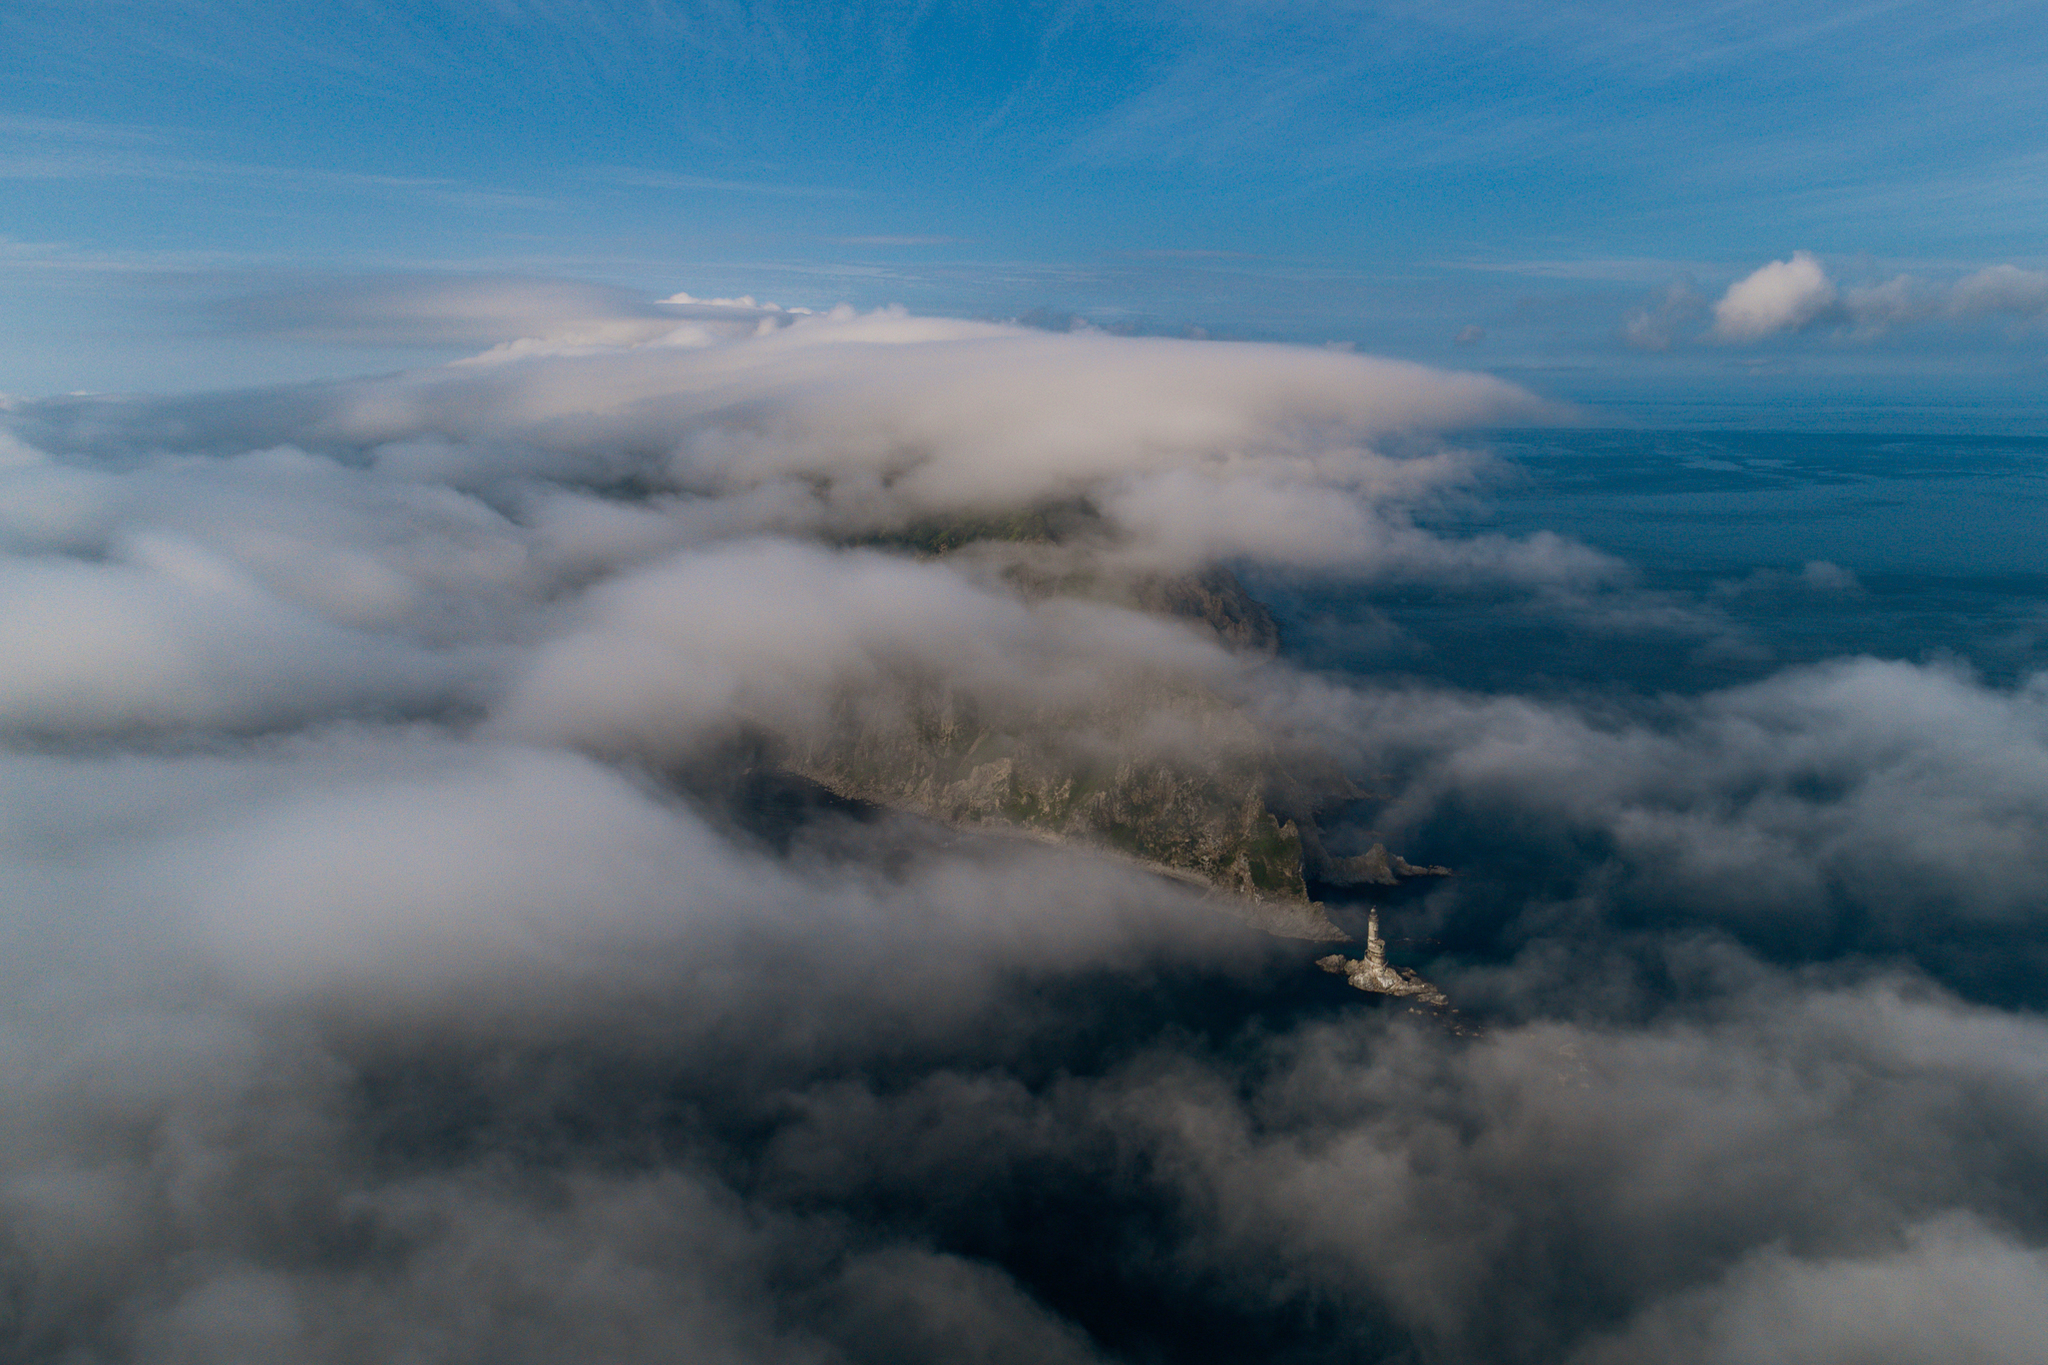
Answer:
x=1783 y=296
x=1798 y=294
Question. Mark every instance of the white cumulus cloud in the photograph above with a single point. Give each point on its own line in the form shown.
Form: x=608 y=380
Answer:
x=1783 y=296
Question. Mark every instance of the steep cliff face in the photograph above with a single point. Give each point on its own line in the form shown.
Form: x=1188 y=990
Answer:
x=1216 y=598
x=1080 y=777
x=1216 y=806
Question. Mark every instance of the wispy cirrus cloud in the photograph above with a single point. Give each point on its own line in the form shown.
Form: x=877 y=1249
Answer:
x=910 y=240
x=72 y=150
x=641 y=178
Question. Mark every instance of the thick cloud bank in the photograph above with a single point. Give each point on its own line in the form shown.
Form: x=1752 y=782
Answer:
x=411 y=950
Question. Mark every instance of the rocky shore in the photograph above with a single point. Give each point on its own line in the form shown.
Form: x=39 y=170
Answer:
x=1371 y=972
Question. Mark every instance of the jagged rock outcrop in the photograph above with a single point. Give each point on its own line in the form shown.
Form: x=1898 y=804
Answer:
x=1371 y=972
x=1376 y=867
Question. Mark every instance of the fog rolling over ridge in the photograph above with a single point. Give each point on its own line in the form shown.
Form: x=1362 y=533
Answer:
x=422 y=941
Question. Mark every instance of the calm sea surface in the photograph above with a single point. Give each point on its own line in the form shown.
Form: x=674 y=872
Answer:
x=1747 y=551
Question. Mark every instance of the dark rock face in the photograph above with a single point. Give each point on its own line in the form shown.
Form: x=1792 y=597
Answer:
x=1220 y=808
x=1216 y=598
x=1200 y=814
x=1375 y=867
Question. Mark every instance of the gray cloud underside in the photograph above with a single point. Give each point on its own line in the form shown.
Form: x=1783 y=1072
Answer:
x=374 y=986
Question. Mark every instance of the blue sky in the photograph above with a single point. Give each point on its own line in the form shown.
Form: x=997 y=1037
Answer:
x=186 y=189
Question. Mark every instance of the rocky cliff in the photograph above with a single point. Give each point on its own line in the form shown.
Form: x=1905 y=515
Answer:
x=1200 y=813
x=1217 y=807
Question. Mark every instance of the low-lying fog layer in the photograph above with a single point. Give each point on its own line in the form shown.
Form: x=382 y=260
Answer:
x=400 y=965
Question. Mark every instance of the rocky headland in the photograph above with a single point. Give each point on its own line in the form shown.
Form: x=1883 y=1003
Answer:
x=1214 y=804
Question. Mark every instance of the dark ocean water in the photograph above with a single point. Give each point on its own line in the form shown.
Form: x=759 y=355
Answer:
x=1746 y=552
x=1742 y=554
